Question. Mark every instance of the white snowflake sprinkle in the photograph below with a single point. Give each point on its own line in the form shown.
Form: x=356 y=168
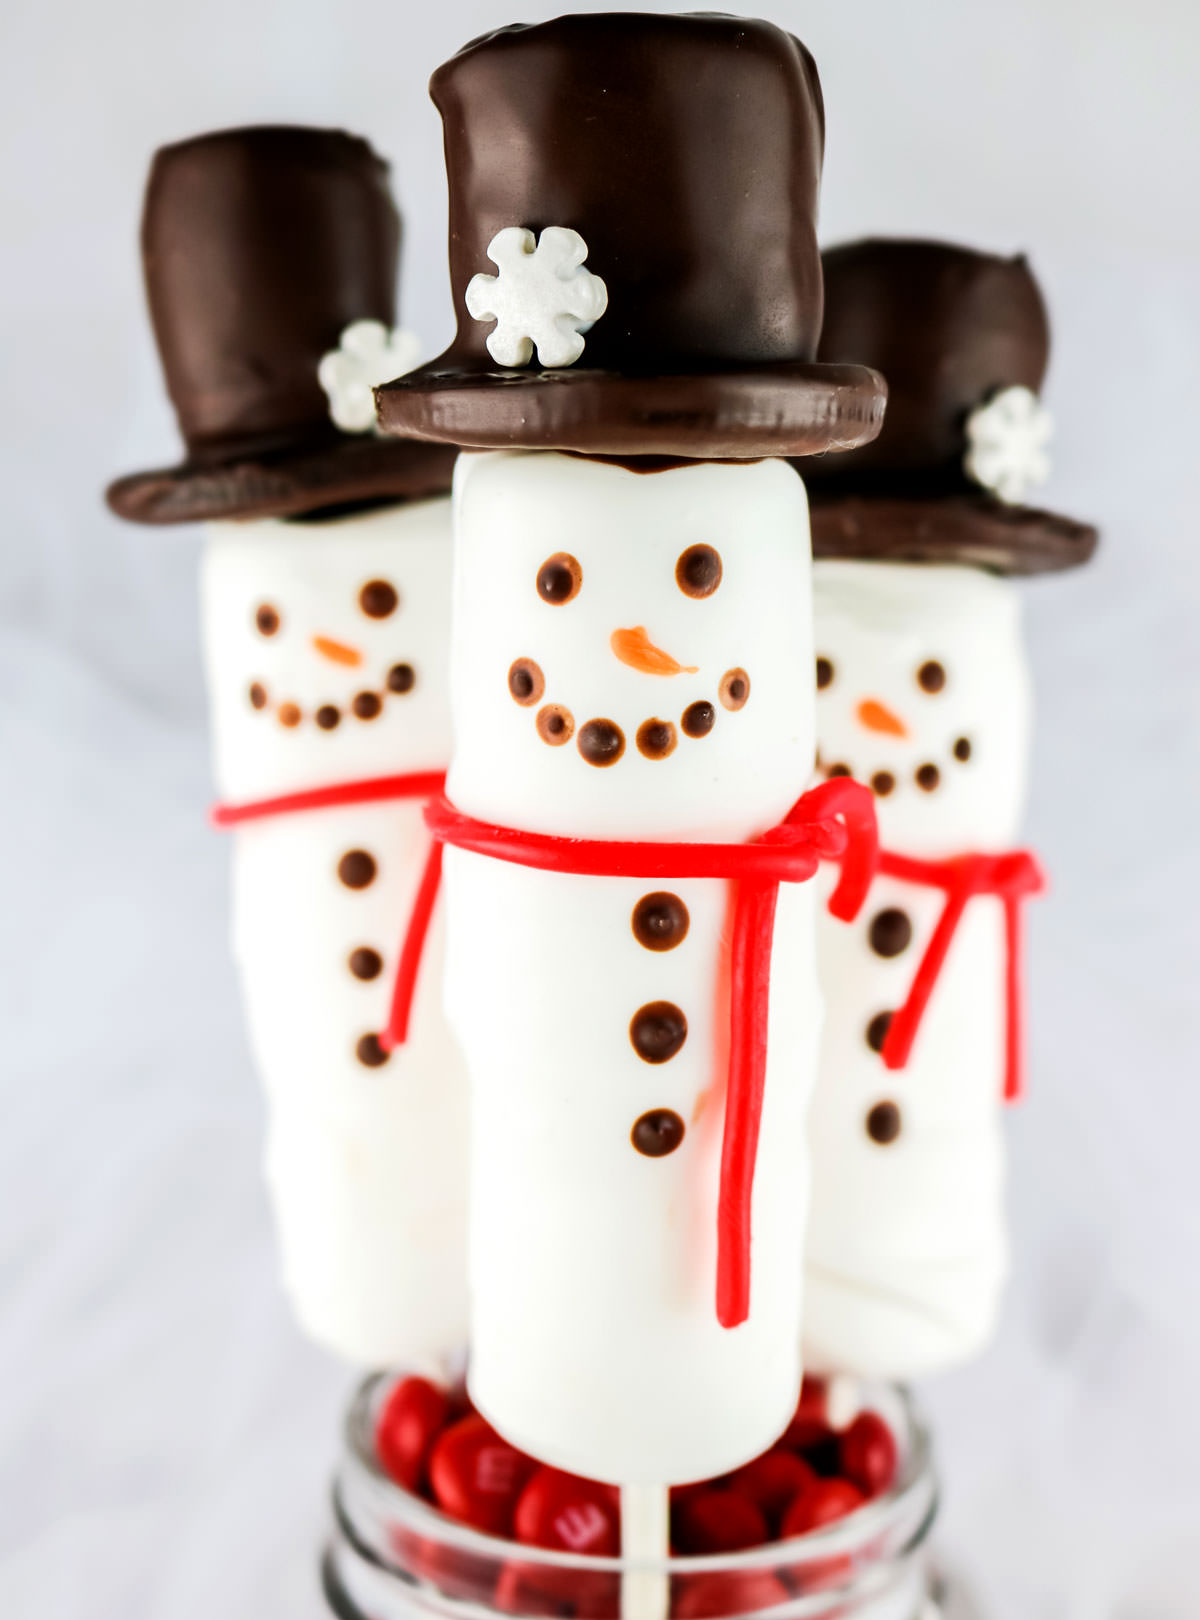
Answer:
x=1007 y=440
x=367 y=355
x=543 y=296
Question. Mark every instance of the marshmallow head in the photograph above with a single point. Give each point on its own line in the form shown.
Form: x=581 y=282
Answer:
x=923 y=693
x=632 y=649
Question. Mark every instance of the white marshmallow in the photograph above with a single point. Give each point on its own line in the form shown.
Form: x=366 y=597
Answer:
x=906 y=1249
x=595 y=1343
x=366 y=1165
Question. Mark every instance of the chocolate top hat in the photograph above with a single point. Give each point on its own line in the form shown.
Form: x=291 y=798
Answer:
x=261 y=248
x=681 y=156
x=963 y=341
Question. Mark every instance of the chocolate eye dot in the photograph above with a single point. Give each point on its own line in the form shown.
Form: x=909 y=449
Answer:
x=378 y=599
x=824 y=674
x=267 y=620
x=601 y=742
x=526 y=682
x=699 y=718
x=928 y=777
x=734 y=689
x=656 y=739
x=660 y=921
x=698 y=571
x=962 y=749
x=658 y=1133
x=401 y=679
x=931 y=676
x=883 y=783
x=559 y=579
x=258 y=695
x=555 y=725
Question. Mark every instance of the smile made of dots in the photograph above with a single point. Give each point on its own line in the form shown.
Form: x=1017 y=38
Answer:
x=602 y=742
x=364 y=705
x=931 y=678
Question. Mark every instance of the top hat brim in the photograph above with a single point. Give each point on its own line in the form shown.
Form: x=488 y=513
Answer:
x=746 y=413
x=286 y=482
x=968 y=528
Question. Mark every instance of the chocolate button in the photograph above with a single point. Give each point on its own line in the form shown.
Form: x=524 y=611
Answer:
x=883 y=1123
x=357 y=869
x=657 y=1133
x=877 y=1030
x=699 y=719
x=660 y=921
x=657 y=1031
x=366 y=963
x=370 y=1053
x=656 y=739
x=601 y=742
x=890 y=932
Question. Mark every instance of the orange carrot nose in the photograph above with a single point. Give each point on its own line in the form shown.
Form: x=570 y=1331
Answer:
x=634 y=647
x=337 y=652
x=878 y=717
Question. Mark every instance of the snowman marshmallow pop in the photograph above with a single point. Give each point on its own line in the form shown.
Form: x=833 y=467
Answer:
x=270 y=259
x=923 y=693
x=627 y=862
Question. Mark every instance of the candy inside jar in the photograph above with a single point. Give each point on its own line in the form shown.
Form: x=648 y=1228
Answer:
x=437 y=1515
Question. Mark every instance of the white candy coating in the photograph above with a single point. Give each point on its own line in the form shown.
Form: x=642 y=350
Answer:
x=366 y=1165
x=595 y=1342
x=906 y=1249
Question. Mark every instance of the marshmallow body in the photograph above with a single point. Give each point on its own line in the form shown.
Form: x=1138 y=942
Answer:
x=924 y=693
x=630 y=661
x=326 y=652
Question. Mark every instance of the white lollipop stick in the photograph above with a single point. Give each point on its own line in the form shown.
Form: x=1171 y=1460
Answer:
x=645 y=1540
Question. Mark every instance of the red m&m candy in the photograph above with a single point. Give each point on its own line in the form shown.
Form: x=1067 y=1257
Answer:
x=477 y=1477
x=413 y=1416
x=717 y=1521
x=868 y=1454
x=823 y=1502
x=715 y=1597
x=772 y=1481
x=574 y=1515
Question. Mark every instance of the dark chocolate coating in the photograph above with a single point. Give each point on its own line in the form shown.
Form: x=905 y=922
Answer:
x=259 y=247
x=948 y=327
x=686 y=151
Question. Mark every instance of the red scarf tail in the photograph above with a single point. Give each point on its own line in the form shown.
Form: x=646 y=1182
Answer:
x=906 y=1021
x=412 y=950
x=1014 y=1000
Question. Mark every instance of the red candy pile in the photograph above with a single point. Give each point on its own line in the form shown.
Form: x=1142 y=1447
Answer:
x=434 y=1444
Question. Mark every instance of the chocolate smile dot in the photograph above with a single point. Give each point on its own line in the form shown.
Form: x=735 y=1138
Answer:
x=370 y=1053
x=656 y=739
x=734 y=689
x=824 y=674
x=699 y=718
x=928 y=777
x=838 y=770
x=657 y=1133
x=289 y=715
x=378 y=599
x=877 y=1030
x=526 y=681
x=657 y=1031
x=962 y=749
x=401 y=679
x=357 y=869
x=890 y=932
x=698 y=571
x=365 y=963
x=883 y=1123
x=258 y=695
x=555 y=725
x=931 y=676
x=559 y=579
x=660 y=921
x=366 y=705
x=327 y=717
x=266 y=620
x=601 y=742
x=883 y=783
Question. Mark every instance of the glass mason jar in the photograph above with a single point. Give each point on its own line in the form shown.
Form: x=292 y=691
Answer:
x=394 y=1557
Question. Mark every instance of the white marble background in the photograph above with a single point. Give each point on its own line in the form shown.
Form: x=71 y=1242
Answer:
x=165 y=1437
